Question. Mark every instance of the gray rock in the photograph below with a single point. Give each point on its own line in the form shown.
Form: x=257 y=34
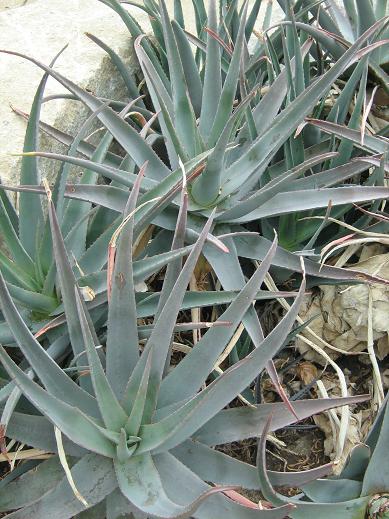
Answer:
x=40 y=28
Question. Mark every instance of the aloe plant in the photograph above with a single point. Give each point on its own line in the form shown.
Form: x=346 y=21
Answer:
x=245 y=162
x=360 y=491
x=218 y=151
x=138 y=433
x=223 y=153
x=26 y=257
x=339 y=27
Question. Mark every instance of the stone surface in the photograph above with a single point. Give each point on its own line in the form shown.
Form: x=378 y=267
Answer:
x=40 y=28
x=11 y=4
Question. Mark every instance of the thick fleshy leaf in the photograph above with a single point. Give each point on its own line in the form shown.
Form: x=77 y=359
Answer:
x=353 y=509
x=160 y=339
x=142 y=269
x=366 y=16
x=184 y=116
x=268 y=107
x=32 y=485
x=347 y=510
x=240 y=423
x=376 y=477
x=184 y=485
x=209 y=298
x=131 y=141
x=165 y=193
x=375 y=430
x=69 y=419
x=125 y=178
x=357 y=463
x=289 y=118
x=330 y=41
x=151 y=74
x=256 y=247
x=339 y=110
x=206 y=188
x=11 y=394
x=94 y=478
x=191 y=71
x=75 y=221
x=212 y=76
x=162 y=104
x=16 y=275
x=158 y=197
x=94 y=512
x=330 y=177
x=304 y=200
x=122 y=67
x=278 y=185
x=56 y=349
x=67 y=284
x=333 y=491
x=12 y=242
x=375 y=144
x=214 y=466
x=122 y=352
x=228 y=93
x=10 y=405
x=10 y=209
x=55 y=380
x=212 y=344
x=113 y=415
x=32 y=300
x=95 y=257
x=135 y=31
x=38 y=432
x=135 y=419
x=30 y=208
x=118 y=507
x=174 y=268
x=141 y=483
x=252 y=18
x=181 y=424
x=85 y=148
x=231 y=276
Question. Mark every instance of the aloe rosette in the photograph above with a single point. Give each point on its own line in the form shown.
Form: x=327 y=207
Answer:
x=139 y=434
x=237 y=149
x=26 y=256
x=132 y=434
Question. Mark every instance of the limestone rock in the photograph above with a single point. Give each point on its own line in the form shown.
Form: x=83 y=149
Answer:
x=40 y=28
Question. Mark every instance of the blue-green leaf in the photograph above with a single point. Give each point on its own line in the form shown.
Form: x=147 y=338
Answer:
x=212 y=77
x=69 y=419
x=131 y=141
x=53 y=377
x=122 y=339
x=113 y=415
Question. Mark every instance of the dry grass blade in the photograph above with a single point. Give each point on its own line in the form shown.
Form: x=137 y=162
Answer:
x=377 y=381
x=64 y=463
x=379 y=217
x=366 y=112
x=28 y=454
x=345 y=414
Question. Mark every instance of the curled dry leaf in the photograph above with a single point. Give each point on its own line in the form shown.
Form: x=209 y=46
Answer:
x=342 y=312
x=307 y=372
